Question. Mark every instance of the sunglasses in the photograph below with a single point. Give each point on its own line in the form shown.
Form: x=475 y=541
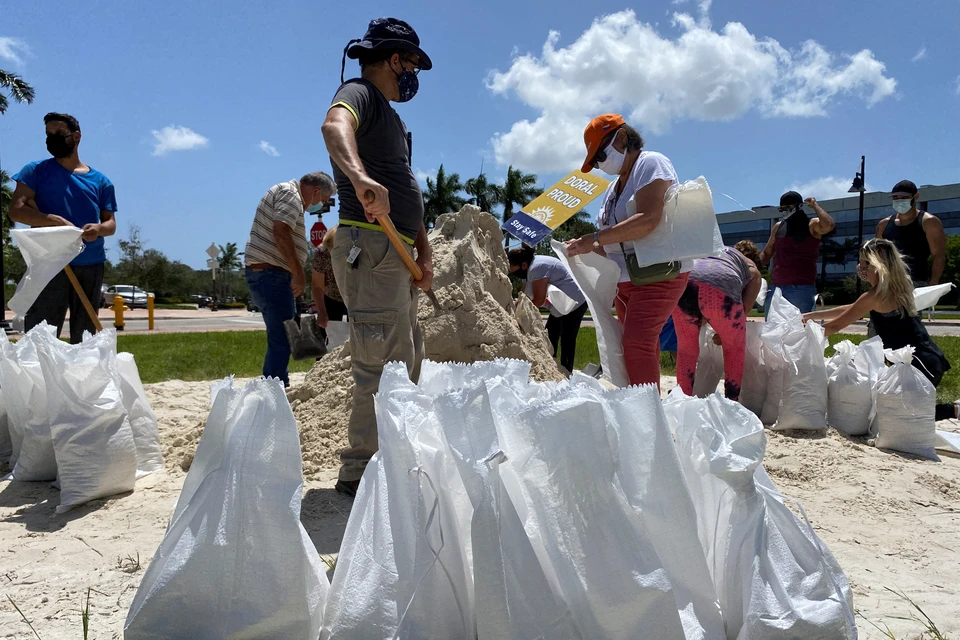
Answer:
x=416 y=65
x=601 y=154
x=792 y=207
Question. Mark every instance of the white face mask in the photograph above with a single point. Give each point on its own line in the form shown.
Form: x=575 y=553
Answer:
x=613 y=162
x=902 y=206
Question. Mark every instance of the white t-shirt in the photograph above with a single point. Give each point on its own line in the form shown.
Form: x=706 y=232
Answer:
x=649 y=166
x=556 y=274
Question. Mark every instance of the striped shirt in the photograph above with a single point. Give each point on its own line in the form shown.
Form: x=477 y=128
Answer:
x=282 y=202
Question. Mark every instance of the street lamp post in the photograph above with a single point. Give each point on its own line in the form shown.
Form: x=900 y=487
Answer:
x=859 y=185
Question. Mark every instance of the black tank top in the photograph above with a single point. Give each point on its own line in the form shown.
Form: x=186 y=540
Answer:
x=898 y=331
x=912 y=243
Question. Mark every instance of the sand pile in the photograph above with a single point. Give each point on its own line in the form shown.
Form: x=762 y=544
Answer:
x=477 y=321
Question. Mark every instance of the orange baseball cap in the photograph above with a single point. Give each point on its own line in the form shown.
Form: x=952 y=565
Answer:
x=599 y=128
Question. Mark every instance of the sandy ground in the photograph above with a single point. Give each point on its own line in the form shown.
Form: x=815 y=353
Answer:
x=891 y=521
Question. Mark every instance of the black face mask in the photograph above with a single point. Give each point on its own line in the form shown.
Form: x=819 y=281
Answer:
x=519 y=274
x=60 y=146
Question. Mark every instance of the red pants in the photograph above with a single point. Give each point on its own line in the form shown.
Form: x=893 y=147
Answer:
x=643 y=311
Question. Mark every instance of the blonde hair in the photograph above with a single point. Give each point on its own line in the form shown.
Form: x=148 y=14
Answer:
x=893 y=283
x=328 y=238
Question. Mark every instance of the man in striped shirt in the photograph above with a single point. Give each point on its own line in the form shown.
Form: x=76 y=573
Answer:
x=274 y=259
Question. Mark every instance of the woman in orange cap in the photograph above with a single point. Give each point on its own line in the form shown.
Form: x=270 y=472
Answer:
x=630 y=210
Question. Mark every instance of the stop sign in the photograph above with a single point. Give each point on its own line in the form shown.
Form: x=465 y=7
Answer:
x=317 y=231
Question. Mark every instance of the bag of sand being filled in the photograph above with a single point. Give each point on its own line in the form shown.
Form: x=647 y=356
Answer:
x=906 y=407
x=753 y=388
x=775 y=578
x=855 y=370
x=236 y=563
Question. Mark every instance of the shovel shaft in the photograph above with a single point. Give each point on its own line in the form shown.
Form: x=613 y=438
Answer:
x=72 y=277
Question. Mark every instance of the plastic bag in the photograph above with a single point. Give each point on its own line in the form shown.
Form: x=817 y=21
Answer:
x=850 y=385
x=598 y=277
x=46 y=251
x=6 y=444
x=687 y=230
x=561 y=302
x=709 y=364
x=26 y=394
x=774 y=577
x=143 y=422
x=236 y=563
x=906 y=404
x=948 y=441
x=926 y=297
x=402 y=571
x=89 y=429
x=753 y=387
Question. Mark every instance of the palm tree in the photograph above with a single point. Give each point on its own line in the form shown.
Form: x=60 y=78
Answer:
x=485 y=195
x=441 y=196
x=20 y=90
x=518 y=189
x=229 y=259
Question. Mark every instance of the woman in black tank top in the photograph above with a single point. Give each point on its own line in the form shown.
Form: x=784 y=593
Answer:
x=894 y=314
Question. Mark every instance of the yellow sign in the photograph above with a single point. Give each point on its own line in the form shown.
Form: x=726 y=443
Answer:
x=555 y=206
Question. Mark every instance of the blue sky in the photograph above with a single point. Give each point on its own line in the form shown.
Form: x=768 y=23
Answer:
x=757 y=97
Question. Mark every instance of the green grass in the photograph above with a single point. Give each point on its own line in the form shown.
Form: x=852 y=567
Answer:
x=200 y=356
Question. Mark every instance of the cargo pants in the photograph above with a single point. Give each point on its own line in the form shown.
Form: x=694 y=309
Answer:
x=382 y=312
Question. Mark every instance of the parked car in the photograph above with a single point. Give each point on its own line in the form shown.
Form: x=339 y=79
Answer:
x=202 y=301
x=106 y=299
x=133 y=297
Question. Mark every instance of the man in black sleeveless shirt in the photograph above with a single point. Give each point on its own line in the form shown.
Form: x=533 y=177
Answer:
x=917 y=234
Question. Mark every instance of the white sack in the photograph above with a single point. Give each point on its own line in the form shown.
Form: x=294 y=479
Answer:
x=91 y=435
x=236 y=563
x=46 y=251
x=688 y=228
x=774 y=577
x=6 y=444
x=143 y=422
x=709 y=365
x=402 y=570
x=926 y=297
x=560 y=302
x=597 y=278
x=560 y=472
x=855 y=370
x=26 y=394
x=762 y=295
x=906 y=406
x=948 y=441
x=753 y=388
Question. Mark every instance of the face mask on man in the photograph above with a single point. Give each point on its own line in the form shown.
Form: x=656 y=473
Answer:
x=407 y=83
x=315 y=208
x=612 y=161
x=902 y=206
x=59 y=145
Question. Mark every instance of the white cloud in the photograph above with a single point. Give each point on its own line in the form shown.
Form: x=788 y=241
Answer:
x=268 y=149
x=423 y=175
x=174 y=138
x=12 y=49
x=622 y=64
x=826 y=188
x=958 y=85
x=920 y=55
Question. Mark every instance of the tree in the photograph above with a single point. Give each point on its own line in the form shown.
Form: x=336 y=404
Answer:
x=229 y=259
x=20 y=90
x=484 y=195
x=518 y=189
x=441 y=196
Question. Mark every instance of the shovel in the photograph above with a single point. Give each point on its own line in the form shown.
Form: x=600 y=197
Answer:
x=397 y=243
x=307 y=339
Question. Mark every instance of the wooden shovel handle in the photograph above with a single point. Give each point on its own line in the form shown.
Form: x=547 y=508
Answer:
x=397 y=241
x=83 y=297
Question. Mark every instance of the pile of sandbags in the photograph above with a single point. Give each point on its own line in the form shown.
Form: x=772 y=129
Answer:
x=76 y=414
x=497 y=507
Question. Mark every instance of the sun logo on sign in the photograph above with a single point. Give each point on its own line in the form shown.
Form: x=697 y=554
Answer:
x=542 y=214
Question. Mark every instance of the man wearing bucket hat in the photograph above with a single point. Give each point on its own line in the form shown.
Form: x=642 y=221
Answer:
x=370 y=152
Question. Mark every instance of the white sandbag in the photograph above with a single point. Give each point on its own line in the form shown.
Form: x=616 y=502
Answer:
x=236 y=563
x=560 y=472
x=948 y=441
x=438 y=377
x=753 y=387
x=762 y=295
x=26 y=393
x=926 y=297
x=91 y=435
x=143 y=422
x=597 y=278
x=709 y=371
x=774 y=577
x=906 y=405
x=6 y=444
x=855 y=370
x=402 y=570
x=688 y=228
x=560 y=302
x=46 y=251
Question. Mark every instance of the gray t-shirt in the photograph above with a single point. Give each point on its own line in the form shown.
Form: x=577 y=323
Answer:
x=556 y=274
x=382 y=145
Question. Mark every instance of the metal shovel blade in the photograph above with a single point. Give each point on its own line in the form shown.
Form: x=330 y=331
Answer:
x=307 y=340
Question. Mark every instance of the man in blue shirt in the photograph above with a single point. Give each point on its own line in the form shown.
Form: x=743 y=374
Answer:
x=63 y=191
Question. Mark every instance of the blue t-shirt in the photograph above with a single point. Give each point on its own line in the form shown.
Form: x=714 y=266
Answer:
x=78 y=197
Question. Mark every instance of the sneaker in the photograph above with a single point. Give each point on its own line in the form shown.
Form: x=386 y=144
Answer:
x=347 y=487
